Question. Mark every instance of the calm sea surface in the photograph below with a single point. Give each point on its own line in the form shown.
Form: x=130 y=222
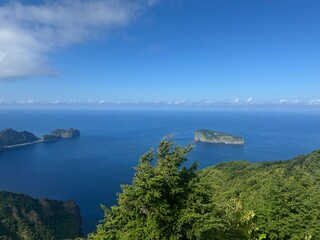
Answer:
x=90 y=169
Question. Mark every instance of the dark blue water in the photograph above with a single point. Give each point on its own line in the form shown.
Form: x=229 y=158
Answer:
x=91 y=169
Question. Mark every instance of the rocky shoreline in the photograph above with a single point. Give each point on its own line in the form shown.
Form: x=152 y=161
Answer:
x=23 y=144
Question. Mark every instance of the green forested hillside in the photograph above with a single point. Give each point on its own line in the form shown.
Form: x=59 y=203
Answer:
x=235 y=200
x=22 y=217
x=284 y=195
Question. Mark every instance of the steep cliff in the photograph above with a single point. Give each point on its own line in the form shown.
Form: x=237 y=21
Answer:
x=66 y=133
x=23 y=217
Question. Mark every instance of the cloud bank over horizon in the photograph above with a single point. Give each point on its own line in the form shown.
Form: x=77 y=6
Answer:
x=28 y=33
x=237 y=103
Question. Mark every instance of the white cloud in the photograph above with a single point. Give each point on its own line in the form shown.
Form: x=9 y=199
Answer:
x=249 y=100
x=282 y=101
x=314 y=102
x=29 y=32
x=290 y=101
x=235 y=101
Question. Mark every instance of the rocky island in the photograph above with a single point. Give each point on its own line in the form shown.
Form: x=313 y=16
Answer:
x=57 y=134
x=209 y=136
x=66 y=133
x=10 y=138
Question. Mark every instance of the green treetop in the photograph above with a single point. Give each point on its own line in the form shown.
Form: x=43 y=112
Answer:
x=154 y=206
x=165 y=201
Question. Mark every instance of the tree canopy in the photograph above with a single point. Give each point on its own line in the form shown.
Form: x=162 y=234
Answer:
x=234 y=200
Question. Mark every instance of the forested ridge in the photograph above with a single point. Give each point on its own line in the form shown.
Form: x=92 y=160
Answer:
x=283 y=196
x=234 y=200
x=23 y=217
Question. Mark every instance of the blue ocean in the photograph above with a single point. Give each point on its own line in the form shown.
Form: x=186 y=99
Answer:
x=91 y=168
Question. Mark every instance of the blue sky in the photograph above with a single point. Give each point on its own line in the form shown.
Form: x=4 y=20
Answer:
x=177 y=50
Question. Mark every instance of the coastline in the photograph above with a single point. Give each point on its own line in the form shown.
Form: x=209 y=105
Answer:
x=22 y=144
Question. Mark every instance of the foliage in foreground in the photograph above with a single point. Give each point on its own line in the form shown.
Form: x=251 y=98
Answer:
x=283 y=195
x=169 y=201
x=235 y=200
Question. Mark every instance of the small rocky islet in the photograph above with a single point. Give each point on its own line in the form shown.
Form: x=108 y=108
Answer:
x=57 y=134
x=208 y=136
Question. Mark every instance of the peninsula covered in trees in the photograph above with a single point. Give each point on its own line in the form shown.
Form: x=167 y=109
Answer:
x=209 y=136
x=10 y=138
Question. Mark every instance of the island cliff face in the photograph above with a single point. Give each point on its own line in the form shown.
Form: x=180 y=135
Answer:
x=66 y=133
x=209 y=136
x=23 y=217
